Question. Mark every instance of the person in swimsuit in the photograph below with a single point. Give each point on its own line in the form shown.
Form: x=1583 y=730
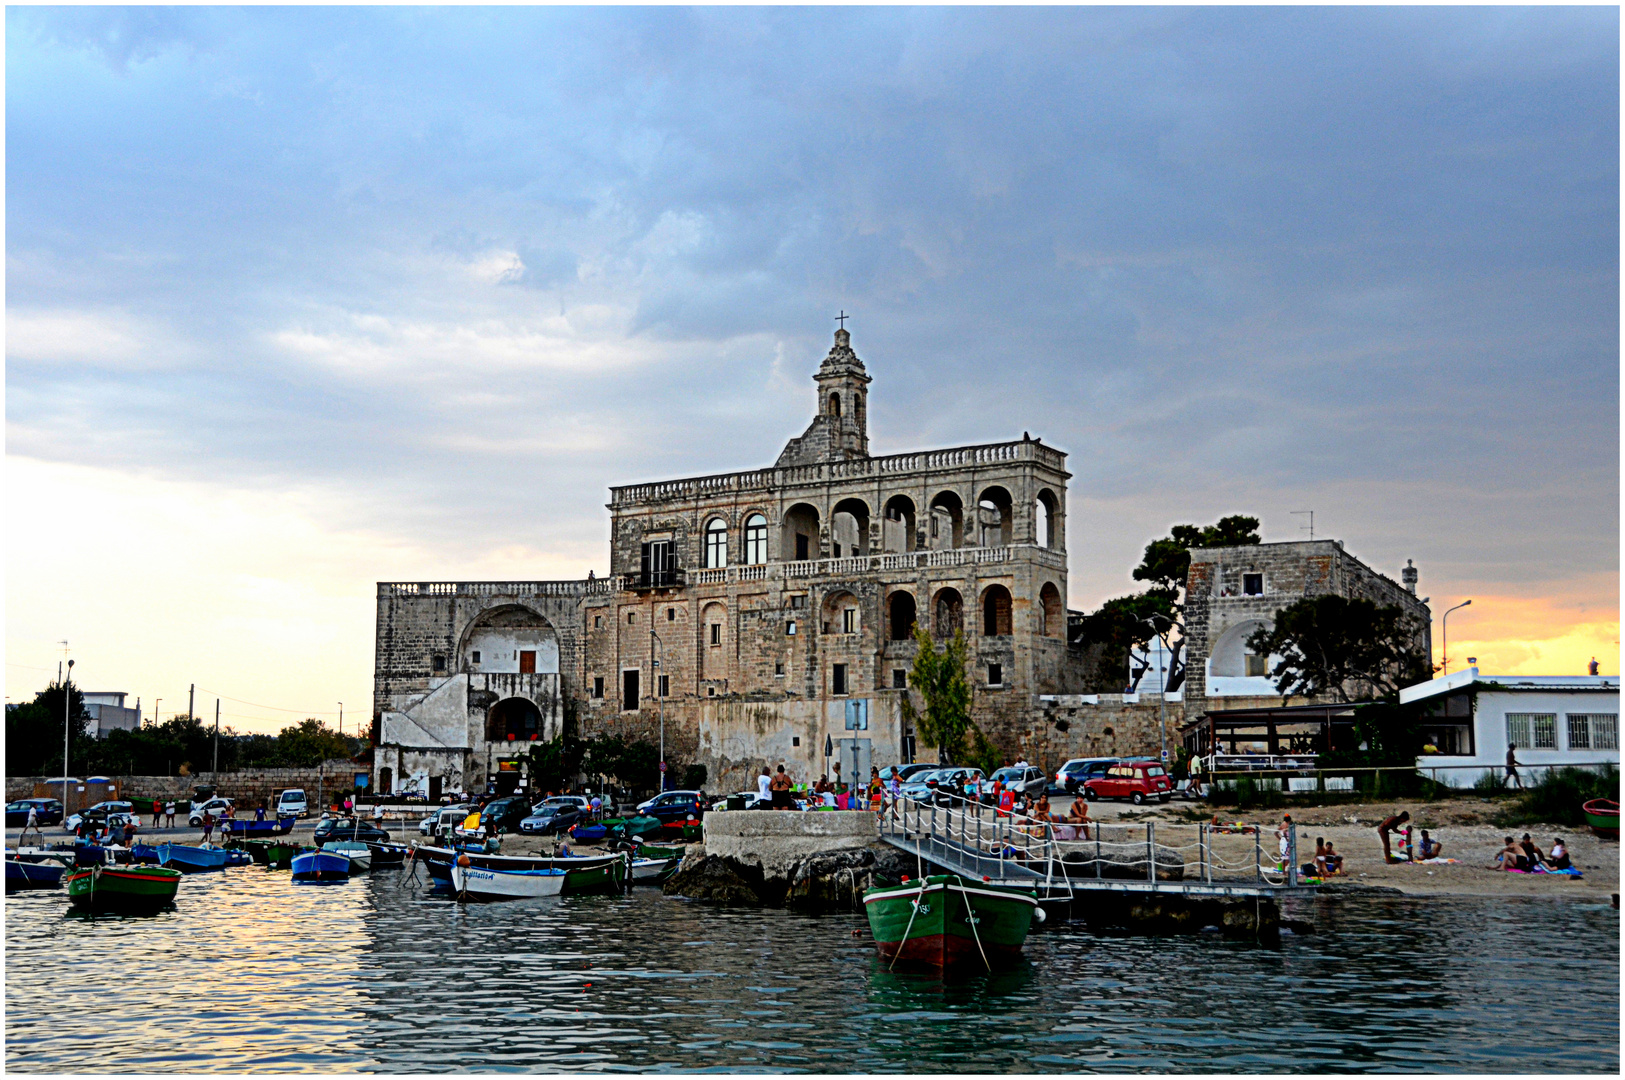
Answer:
x=1430 y=847
x=1334 y=861
x=779 y=786
x=1559 y=858
x=1389 y=826
x=1510 y=857
x=1531 y=852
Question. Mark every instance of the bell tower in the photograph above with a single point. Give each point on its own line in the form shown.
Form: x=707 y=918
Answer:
x=840 y=431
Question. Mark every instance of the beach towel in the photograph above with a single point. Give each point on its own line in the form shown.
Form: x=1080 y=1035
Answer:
x=1570 y=872
x=1437 y=862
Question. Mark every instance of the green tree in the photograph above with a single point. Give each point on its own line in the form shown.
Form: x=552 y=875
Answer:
x=944 y=688
x=34 y=734
x=1167 y=561
x=635 y=764
x=555 y=765
x=311 y=742
x=1346 y=649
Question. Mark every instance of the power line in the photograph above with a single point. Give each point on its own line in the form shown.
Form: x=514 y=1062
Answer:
x=273 y=708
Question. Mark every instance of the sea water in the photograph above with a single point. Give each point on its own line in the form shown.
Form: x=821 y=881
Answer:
x=251 y=972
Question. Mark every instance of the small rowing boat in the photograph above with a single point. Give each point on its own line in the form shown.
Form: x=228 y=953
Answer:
x=946 y=922
x=359 y=854
x=21 y=875
x=386 y=855
x=654 y=871
x=126 y=889
x=321 y=865
x=1603 y=817
x=587 y=874
x=192 y=860
x=478 y=883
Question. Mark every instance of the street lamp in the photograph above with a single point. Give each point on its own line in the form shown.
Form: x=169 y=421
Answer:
x=1162 y=679
x=341 y=718
x=661 y=698
x=67 y=713
x=1444 y=648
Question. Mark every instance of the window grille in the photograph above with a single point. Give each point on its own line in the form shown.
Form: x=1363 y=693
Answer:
x=1532 y=731
x=1593 y=731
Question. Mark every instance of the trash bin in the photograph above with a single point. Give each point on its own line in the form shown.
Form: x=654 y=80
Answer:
x=736 y=802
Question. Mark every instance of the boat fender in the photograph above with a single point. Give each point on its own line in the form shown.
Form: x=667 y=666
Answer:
x=1039 y=915
x=464 y=861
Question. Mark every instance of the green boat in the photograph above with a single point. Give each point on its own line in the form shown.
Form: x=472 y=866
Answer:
x=607 y=878
x=127 y=889
x=948 y=922
x=279 y=855
x=655 y=851
x=1603 y=817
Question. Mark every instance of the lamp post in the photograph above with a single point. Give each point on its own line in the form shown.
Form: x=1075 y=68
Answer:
x=155 y=703
x=1162 y=682
x=341 y=718
x=67 y=725
x=661 y=698
x=1444 y=647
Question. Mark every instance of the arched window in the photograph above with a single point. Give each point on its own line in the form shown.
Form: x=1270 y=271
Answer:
x=950 y=614
x=1054 y=614
x=716 y=543
x=755 y=540
x=835 y=404
x=902 y=615
x=996 y=611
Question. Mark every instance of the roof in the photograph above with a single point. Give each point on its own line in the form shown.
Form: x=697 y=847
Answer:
x=1470 y=678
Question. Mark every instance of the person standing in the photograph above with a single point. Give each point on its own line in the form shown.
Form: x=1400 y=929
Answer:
x=764 y=788
x=157 y=809
x=779 y=788
x=1385 y=831
x=1512 y=766
x=169 y=814
x=597 y=807
x=208 y=826
x=32 y=826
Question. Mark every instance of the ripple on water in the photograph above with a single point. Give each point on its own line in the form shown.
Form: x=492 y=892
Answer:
x=373 y=975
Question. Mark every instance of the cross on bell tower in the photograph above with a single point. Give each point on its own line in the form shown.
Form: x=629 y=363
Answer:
x=840 y=431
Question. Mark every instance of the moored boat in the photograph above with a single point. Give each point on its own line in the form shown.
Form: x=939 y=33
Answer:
x=478 y=883
x=387 y=855
x=191 y=860
x=321 y=865
x=21 y=875
x=1603 y=817
x=587 y=874
x=359 y=854
x=946 y=922
x=128 y=889
x=279 y=855
x=653 y=871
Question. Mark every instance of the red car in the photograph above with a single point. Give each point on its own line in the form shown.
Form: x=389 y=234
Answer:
x=1136 y=781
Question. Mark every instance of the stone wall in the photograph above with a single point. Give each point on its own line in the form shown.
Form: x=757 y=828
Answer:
x=1101 y=725
x=776 y=840
x=249 y=787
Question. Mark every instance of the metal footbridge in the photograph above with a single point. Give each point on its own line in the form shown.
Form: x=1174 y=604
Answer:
x=1059 y=862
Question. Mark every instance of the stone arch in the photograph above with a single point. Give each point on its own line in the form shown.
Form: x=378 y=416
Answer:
x=1229 y=656
x=996 y=611
x=713 y=641
x=514 y=719
x=897 y=525
x=502 y=636
x=1048 y=528
x=835 y=405
x=849 y=528
x=902 y=612
x=799 y=533
x=947 y=521
x=715 y=540
x=841 y=613
x=995 y=517
x=947 y=613
x=1052 y=612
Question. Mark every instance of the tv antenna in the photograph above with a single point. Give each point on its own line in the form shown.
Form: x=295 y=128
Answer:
x=1311 y=525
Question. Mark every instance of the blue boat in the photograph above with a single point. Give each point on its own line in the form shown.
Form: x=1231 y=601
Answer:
x=258 y=830
x=321 y=866
x=238 y=857
x=33 y=875
x=191 y=860
x=143 y=853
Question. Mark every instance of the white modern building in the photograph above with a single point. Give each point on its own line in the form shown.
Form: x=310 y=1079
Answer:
x=107 y=710
x=1549 y=720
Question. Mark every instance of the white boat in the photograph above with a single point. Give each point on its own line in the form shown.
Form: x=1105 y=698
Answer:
x=478 y=883
x=653 y=871
x=360 y=854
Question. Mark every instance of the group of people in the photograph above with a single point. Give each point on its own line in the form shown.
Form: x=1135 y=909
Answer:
x=1524 y=855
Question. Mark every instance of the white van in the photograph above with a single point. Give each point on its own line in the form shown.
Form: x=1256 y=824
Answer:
x=292 y=801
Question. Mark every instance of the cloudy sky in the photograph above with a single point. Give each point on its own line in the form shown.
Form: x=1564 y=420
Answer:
x=304 y=299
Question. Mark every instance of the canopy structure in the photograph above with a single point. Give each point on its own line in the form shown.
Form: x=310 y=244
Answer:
x=1289 y=730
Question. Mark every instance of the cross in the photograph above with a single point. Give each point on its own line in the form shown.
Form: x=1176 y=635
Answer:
x=842 y=317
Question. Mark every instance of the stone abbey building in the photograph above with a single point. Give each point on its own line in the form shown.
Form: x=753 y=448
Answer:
x=764 y=617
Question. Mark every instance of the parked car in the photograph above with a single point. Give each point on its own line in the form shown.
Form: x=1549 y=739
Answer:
x=97 y=813
x=349 y=828
x=1027 y=780
x=934 y=786
x=442 y=821
x=674 y=806
x=1136 y=781
x=213 y=806
x=753 y=800
x=292 y=801
x=550 y=817
x=1074 y=773
x=905 y=772
x=502 y=815
x=582 y=804
x=46 y=812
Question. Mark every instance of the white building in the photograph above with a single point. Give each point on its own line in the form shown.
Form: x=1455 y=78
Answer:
x=1550 y=720
x=107 y=710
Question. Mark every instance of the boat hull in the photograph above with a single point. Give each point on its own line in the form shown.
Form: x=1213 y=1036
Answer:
x=359 y=854
x=21 y=876
x=653 y=871
x=1603 y=817
x=127 y=889
x=321 y=866
x=192 y=860
x=478 y=883
x=587 y=876
x=280 y=856
x=947 y=922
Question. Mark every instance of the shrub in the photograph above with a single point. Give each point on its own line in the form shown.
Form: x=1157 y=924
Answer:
x=1557 y=799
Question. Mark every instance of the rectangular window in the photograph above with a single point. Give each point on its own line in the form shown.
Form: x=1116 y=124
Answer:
x=597 y=621
x=629 y=690
x=1257 y=665
x=716 y=633
x=671 y=614
x=527 y=661
x=665 y=686
x=439 y=663
x=778 y=670
x=789 y=628
x=801 y=547
x=838 y=679
x=475 y=657
x=795 y=740
x=899 y=679
x=658 y=563
x=1532 y=731
x=849 y=621
x=1252 y=584
x=1593 y=731
x=995 y=674
x=598 y=687
x=798 y=602
x=631 y=617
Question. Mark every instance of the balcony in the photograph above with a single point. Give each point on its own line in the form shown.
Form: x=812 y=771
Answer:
x=644 y=581
x=848 y=566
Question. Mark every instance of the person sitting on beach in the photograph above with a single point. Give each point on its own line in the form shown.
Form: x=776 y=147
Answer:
x=1320 y=856
x=1079 y=815
x=1510 y=857
x=1334 y=861
x=1389 y=826
x=1042 y=810
x=1531 y=852
x=1430 y=847
x=1559 y=858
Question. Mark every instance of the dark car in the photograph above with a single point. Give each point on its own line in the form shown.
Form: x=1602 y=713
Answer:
x=674 y=806
x=46 y=812
x=1079 y=771
x=550 y=817
x=349 y=828
x=504 y=815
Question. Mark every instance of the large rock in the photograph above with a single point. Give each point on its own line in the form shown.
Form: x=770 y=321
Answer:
x=720 y=880
x=831 y=880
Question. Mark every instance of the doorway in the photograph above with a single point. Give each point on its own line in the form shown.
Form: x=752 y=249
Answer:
x=527 y=661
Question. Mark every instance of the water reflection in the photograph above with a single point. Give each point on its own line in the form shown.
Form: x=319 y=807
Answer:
x=377 y=974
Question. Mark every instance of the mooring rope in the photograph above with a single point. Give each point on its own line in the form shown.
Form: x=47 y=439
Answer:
x=915 y=911
x=970 y=917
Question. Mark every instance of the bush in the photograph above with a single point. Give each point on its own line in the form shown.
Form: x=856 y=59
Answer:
x=694 y=778
x=1557 y=799
x=1488 y=784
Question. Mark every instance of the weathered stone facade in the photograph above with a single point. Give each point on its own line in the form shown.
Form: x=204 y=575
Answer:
x=761 y=614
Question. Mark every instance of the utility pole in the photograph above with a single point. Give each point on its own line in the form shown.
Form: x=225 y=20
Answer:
x=214 y=777
x=67 y=726
x=190 y=694
x=341 y=718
